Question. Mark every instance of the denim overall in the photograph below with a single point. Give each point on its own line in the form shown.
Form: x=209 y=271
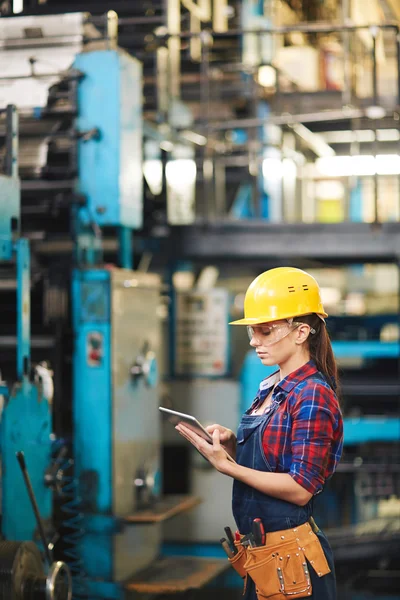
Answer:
x=248 y=504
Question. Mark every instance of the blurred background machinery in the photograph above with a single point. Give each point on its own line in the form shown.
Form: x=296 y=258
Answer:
x=24 y=501
x=166 y=154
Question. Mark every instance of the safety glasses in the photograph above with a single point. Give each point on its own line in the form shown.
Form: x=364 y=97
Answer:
x=271 y=333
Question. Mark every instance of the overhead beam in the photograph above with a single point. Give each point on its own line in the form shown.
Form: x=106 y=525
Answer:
x=246 y=240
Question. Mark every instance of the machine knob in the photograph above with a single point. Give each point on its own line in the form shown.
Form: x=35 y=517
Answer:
x=22 y=575
x=146 y=367
x=59 y=582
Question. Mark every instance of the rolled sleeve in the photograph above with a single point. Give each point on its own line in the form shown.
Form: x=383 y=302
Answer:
x=312 y=435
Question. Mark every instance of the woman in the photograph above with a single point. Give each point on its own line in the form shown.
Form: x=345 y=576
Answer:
x=288 y=443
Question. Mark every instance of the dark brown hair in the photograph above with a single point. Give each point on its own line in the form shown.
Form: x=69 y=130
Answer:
x=321 y=349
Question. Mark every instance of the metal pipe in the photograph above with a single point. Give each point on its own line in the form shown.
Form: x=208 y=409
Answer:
x=205 y=79
x=23 y=308
x=40 y=76
x=309 y=28
x=162 y=59
x=165 y=13
x=376 y=182
x=287 y=119
x=73 y=157
x=220 y=15
x=201 y=11
x=195 y=42
x=220 y=188
x=174 y=46
x=68 y=6
x=398 y=65
x=205 y=112
x=11 y=157
x=111 y=19
x=131 y=20
x=346 y=94
x=374 y=67
x=125 y=258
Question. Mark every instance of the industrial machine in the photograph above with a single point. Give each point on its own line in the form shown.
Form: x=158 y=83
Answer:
x=116 y=331
x=26 y=424
x=116 y=421
x=83 y=140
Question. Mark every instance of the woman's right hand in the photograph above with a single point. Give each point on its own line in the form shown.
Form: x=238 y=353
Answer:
x=227 y=438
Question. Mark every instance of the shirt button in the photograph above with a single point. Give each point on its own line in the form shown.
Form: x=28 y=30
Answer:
x=284 y=416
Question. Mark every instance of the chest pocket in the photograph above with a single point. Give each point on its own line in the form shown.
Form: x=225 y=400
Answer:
x=246 y=431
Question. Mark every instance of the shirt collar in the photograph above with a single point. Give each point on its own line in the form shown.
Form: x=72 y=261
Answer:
x=286 y=385
x=294 y=378
x=269 y=382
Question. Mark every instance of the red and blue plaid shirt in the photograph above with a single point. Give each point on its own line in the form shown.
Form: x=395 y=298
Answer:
x=305 y=434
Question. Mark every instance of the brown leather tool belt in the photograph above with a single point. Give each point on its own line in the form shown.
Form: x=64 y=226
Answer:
x=279 y=569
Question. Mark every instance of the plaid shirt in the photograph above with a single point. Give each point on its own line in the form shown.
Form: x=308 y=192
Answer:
x=305 y=434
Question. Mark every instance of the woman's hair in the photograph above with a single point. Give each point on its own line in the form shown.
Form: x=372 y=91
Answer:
x=321 y=349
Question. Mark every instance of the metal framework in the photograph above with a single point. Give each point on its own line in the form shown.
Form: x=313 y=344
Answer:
x=255 y=240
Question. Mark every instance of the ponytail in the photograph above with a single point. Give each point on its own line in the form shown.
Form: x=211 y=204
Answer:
x=321 y=350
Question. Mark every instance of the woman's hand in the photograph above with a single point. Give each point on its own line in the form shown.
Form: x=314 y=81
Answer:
x=214 y=452
x=227 y=438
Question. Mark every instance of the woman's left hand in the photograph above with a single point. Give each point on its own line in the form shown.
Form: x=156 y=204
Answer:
x=214 y=452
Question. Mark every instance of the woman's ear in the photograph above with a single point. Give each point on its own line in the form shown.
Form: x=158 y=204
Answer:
x=302 y=331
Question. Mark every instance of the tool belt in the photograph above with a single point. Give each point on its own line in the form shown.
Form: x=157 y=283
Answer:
x=279 y=569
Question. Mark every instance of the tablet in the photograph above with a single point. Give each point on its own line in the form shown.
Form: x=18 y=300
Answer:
x=175 y=417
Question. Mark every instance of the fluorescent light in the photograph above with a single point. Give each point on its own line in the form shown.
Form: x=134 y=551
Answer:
x=360 y=135
x=345 y=166
x=388 y=135
x=388 y=164
x=18 y=6
x=362 y=165
x=334 y=166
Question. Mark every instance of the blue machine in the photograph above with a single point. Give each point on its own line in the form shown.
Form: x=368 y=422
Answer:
x=110 y=163
x=116 y=335
x=26 y=421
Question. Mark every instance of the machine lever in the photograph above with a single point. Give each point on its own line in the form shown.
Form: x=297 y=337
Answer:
x=21 y=460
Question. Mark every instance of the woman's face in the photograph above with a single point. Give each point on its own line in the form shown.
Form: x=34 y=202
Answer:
x=274 y=342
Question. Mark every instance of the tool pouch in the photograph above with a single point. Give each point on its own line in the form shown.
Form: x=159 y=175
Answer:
x=281 y=571
x=239 y=559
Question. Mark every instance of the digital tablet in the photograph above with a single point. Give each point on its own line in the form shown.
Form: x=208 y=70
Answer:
x=175 y=417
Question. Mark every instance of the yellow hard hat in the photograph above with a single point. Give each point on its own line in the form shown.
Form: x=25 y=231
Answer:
x=280 y=294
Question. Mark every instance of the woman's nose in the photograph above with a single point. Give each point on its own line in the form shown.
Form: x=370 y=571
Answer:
x=254 y=341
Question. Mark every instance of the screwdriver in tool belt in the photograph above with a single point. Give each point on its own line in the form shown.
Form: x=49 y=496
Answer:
x=258 y=531
x=229 y=535
x=227 y=548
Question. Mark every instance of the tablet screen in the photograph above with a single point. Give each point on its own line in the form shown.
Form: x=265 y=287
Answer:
x=175 y=417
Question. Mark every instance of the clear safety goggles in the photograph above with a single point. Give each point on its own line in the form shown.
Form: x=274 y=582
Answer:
x=271 y=333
